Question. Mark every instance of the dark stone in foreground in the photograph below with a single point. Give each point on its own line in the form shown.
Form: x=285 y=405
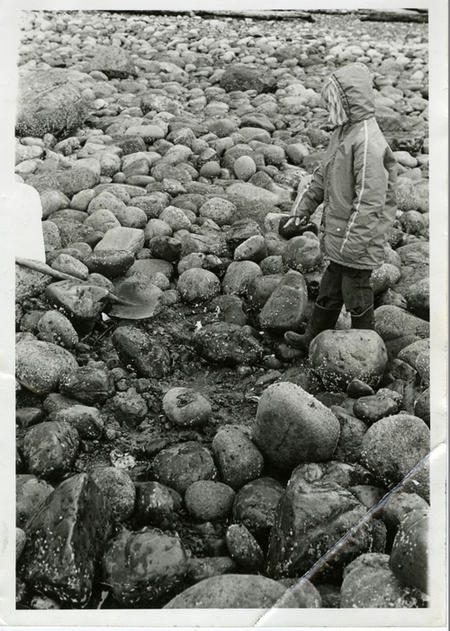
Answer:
x=144 y=568
x=65 y=540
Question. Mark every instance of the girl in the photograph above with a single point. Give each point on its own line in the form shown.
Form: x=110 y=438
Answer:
x=356 y=182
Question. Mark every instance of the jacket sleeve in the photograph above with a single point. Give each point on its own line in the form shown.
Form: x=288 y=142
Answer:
x=371 y=184
x=307 y=201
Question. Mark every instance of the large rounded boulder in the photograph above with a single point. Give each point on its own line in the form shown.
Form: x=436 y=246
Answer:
x=292 y=426
x=230 y=591
x=393 y=447
x=338 y=357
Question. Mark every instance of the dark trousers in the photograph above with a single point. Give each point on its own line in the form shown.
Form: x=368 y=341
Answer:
x=347 y=286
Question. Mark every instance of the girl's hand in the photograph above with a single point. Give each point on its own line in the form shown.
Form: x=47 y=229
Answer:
x=298 y=220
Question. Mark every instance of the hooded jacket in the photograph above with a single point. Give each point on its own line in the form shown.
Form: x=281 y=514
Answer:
x=356 y=180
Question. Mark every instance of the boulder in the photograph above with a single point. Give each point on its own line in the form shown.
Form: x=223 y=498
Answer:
x=65 y=541
x=207 y=500
x=128 y=239
x=50 y=449
x=113 y=61
x=303 y=253
x=138 y=350
x=311 y=518
x=30 y=493
x=181 y=465
x=230 y=591
x=89 y=384
x=41 y=366
x=285 y=308
x=241 y=77
x=197 y=285
x=393 y=446
x=237 y=457
x=239 y=275
x=292 y=426
x=82 y=303
x=156 y=505
x=186 y=407
x=398 y=328
x=338 y=357
x=54 y=327
x=252 y=249
x=118 y=490
x=243 y=548
x=86 y=420
x=374 y=407
x=145 y=568
x=255 y=506
x=409 y=555
x=199 y=569
x=49 y=101
x=226 y=343
x=370 y=583
x=418 y=298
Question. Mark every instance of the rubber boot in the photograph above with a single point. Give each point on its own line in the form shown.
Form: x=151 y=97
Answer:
x=365 y=320
x=321 y=319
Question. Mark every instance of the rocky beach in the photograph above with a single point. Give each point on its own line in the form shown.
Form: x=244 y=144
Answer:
x=172 y=450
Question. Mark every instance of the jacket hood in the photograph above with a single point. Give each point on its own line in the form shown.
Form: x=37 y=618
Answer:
x=354 y=83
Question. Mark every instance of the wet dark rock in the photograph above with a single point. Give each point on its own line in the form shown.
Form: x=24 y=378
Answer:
x=292 y=426
x=41 y=366
x=110 y=263
x=422 y=407
x=370 y=583
x=237 y=591
x=155 y=505
x=26 y=417
x=207 y=500
x=186 y=407
x=49 y=102
x=138 y=350
x=375 y=407
x=65 y=540
x=300 y=593
x=239 y=276
x=199 y=569
x=393 y=446
x=243 y=548
x=311 y=518
x=350 y=440
x=418 y=298
x=82 y=303
x=237 y=457
x=226 y=343
x=409 y=556
x=240 y=77
x=118 y=490
x=255 y=506
x=338 y=357
x=303 y=253
x=181 y=465
x=285 y=308
x=89 y=384
x=129 y=408
x=29 y=283
x=54 y=327
x=86 y=420
x=50 y=449
x=357 y=388
x=197 y=285
x=166 y=248
x=145 y=568
x=30 y=493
